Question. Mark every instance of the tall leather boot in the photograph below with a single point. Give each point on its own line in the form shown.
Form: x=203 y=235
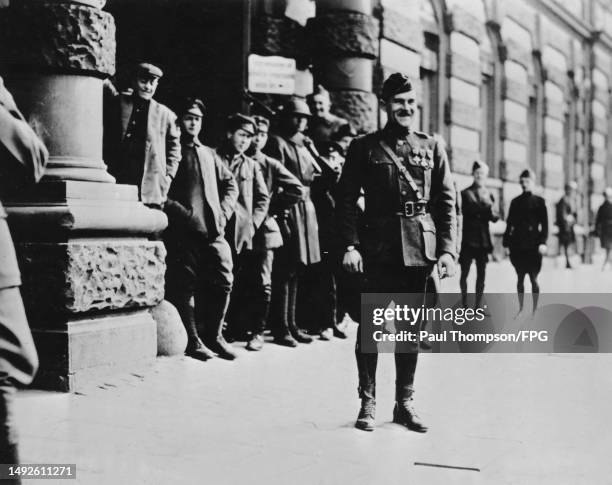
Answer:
x=295 y=332
x=280 y=310
x=195 y=347
x=217 y=307
x=366 y=367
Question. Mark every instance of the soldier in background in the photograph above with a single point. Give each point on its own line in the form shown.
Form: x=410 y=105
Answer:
x=567 y=214
x=478 y=206
x=301 y=248
x=22 y=160
x=323 y=125
x=200 y=203
x=603 y=225
x=403 y=173
x=141 y=136
x=285 y=191
x=526 y=235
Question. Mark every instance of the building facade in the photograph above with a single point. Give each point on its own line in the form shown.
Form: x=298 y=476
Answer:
x=516 y=83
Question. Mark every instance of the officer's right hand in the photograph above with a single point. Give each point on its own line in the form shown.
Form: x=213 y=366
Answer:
x=352 y=261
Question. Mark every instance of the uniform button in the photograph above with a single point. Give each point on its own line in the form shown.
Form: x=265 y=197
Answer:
x=129 y=135
x=404 y=192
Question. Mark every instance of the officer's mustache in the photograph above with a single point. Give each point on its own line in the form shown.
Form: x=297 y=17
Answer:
x=403 y=112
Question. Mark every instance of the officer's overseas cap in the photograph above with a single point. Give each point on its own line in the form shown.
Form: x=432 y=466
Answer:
x=479 y=164
x=396 y=83
x=239 y=121
x=527 y=174
x=146 y=69
x=296 y=106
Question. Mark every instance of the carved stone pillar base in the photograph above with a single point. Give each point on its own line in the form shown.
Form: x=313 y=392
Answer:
x=87 y=351
x=89 y=273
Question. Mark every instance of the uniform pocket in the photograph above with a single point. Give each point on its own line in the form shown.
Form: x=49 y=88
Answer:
x=428 y=229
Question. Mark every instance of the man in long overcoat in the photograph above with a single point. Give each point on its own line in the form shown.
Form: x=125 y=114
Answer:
x=301 y=248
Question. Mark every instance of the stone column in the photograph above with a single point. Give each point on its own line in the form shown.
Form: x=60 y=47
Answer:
x=89 y=270
x=344 y=37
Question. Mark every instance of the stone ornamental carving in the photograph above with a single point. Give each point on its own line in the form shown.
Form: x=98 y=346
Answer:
x=77 y=277
x=344 y=33
x=358 y=106
x=59 y=36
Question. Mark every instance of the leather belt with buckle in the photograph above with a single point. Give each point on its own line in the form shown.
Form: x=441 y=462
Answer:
x=412 y=209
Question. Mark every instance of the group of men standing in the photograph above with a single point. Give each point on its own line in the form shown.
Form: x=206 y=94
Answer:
x=251 y=219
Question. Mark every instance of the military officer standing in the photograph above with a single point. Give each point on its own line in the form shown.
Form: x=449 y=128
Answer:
x=567 y=214
x=409 y=224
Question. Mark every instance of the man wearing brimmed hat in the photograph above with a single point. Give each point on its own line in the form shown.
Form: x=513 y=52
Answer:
x=250 y=212
x=409 y=225
x=301 y=248
x=141 y=138
x=200 y=202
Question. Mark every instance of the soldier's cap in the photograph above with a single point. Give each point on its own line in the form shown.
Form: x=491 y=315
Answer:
x=478 y=164
x=527 y=174
x=344 y=130
x=193 y=106
x=319 y=90
x=571 y=185
x=261 y=120
x=148 y=70
x=239 y=121
x=396 y=83
x=296 y=106
x=330 y=147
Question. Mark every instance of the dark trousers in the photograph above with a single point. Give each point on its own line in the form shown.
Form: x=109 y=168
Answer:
x=199 y=268
x=8 y=435
x=250 y=301
x=390 y=278
x=481 y=256
x=317 y=299
x=284 y=291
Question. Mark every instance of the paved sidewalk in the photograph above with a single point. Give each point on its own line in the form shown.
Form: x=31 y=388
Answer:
x=285 y=416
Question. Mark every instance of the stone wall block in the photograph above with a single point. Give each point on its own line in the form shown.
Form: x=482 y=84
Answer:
x=554 y=109
x=514 y=91
x=460 y=20
x=358 y=106
x=511 y=130
x=278 y=36
x=84 y=276
x=553 y=144
x=344 y=34
x=464 y=68
x=402 y=30
x=58 y=36
x=463 y=114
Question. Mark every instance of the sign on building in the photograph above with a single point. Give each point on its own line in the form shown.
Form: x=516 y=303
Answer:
x=271 y=74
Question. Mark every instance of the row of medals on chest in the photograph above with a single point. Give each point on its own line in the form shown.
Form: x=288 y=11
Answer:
x=418 y=155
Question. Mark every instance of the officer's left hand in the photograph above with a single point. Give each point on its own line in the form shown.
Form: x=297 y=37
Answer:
x=446 y=266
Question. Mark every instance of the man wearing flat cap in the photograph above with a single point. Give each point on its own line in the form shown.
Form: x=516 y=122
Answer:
x=301 y=247
x=200 y=202
x=409 y=225
x=250 y=212
x=141 y=138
